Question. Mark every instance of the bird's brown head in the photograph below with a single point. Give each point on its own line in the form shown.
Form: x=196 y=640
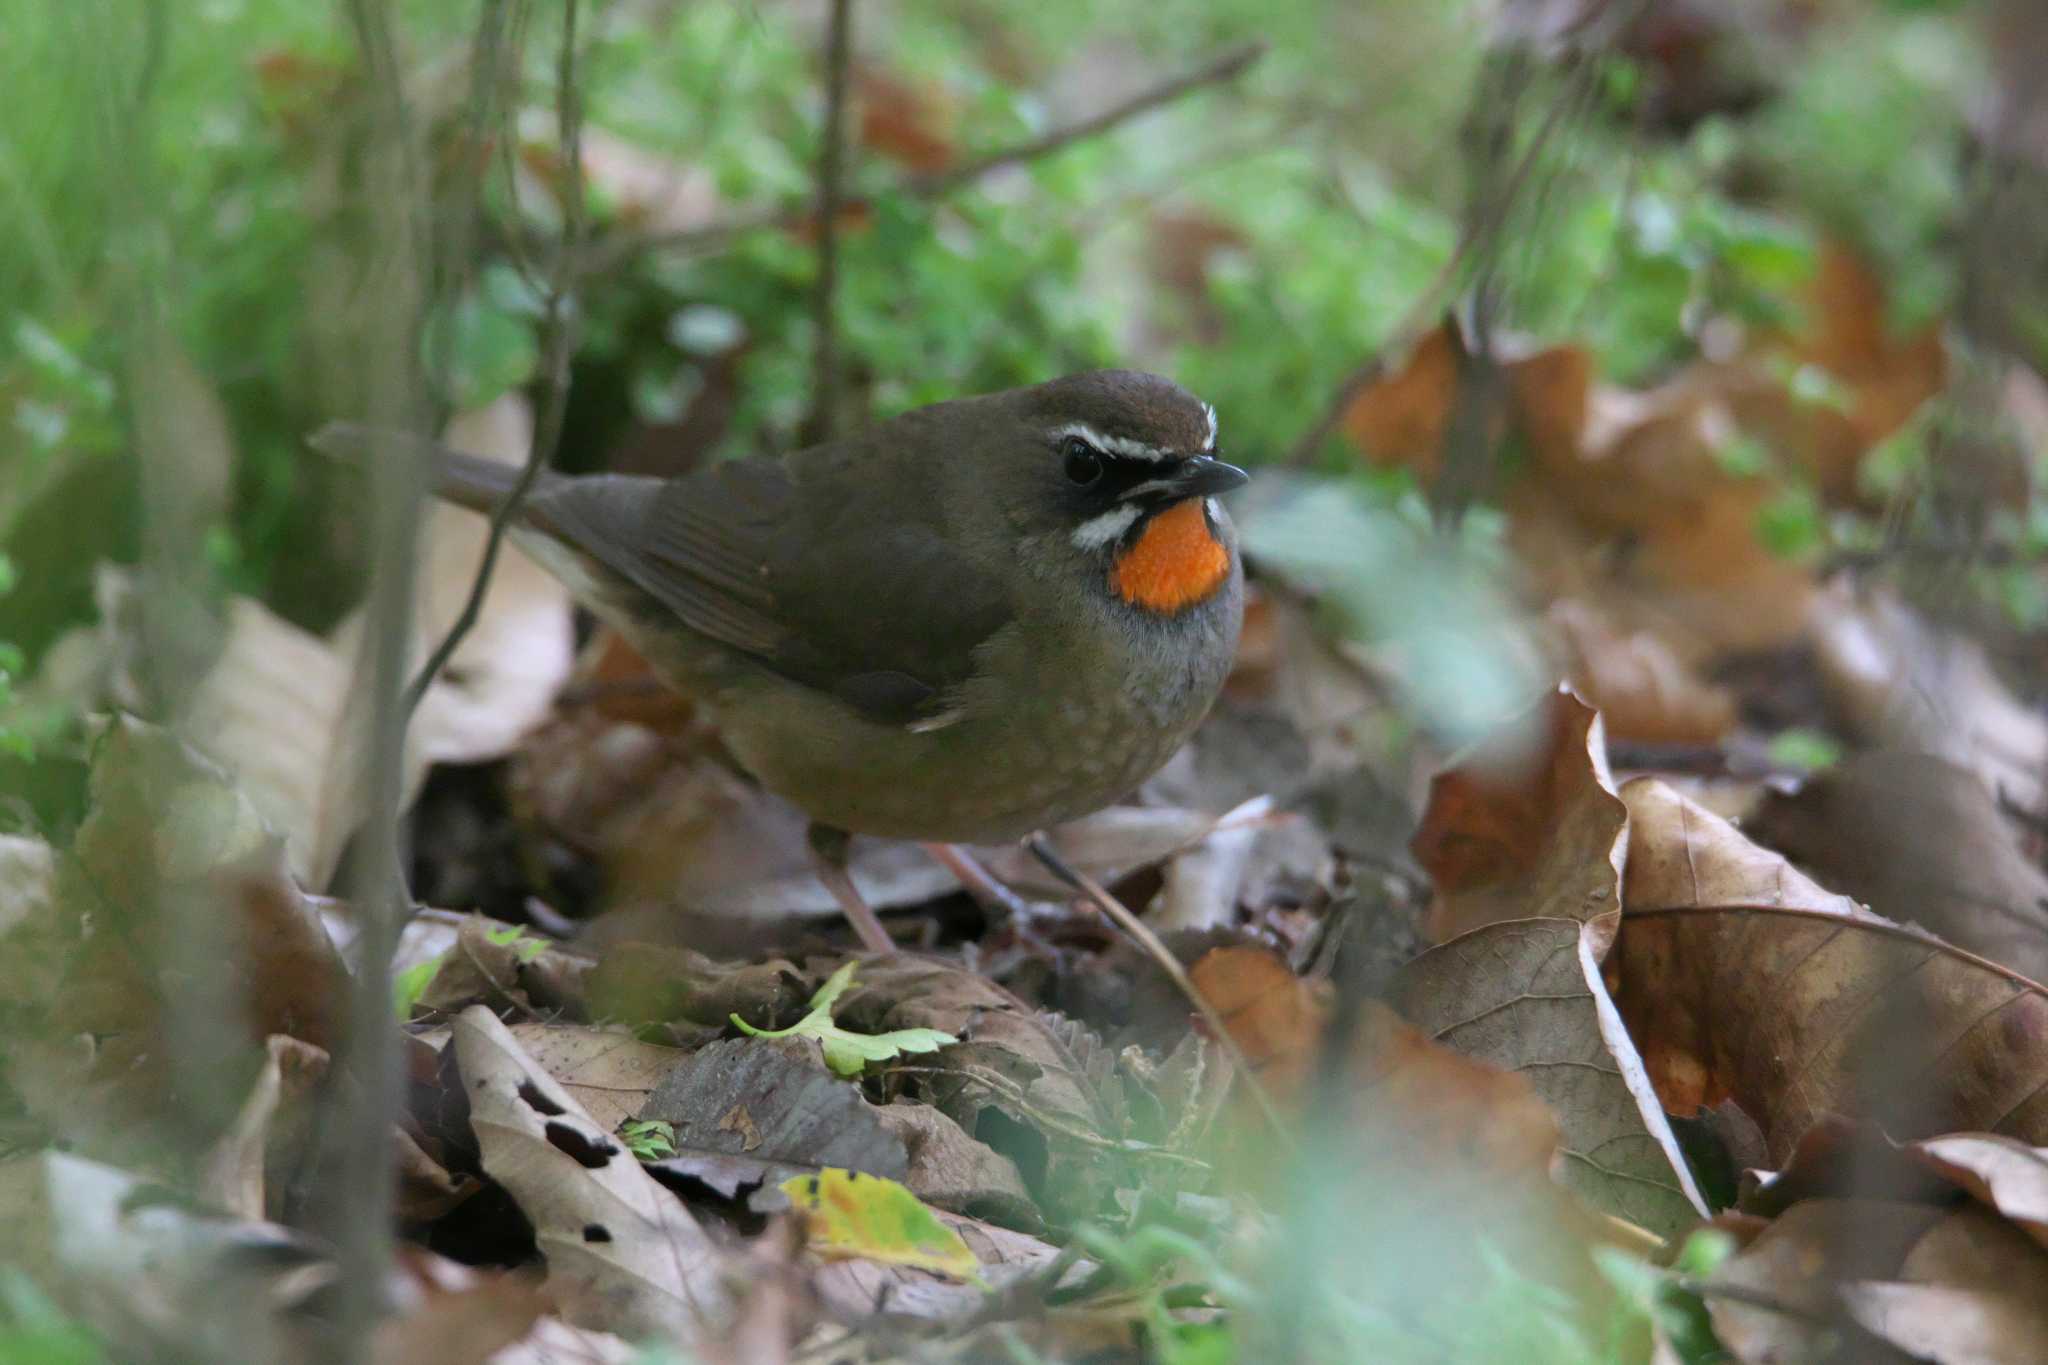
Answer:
x=1114 y=473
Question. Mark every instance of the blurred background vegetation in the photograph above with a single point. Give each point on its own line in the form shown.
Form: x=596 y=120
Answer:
x=1622 y=304
x=179 y=185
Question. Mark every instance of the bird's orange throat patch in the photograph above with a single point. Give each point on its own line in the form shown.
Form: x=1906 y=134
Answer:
x=1175 y=562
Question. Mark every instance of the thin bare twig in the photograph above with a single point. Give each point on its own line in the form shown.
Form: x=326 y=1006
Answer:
x=1141 y=933
x=1479 y=236
x=1225 y=67
x=558 y=344
x=831 y=172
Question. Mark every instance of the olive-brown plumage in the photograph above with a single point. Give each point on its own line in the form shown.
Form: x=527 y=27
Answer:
x=963 y=624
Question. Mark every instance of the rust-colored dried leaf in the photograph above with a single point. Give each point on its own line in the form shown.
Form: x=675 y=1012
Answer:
x=1275 y=1017
x=1795 y=1014
x=1526 y=826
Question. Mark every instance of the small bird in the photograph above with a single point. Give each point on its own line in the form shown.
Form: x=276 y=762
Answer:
x=961 y=625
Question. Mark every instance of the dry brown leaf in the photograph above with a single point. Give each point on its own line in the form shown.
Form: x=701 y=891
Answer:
x=1401 y=418
x=554 y=1342
x=1900 y=682
x=444 y=1313
x=1275 y=1017
x=623 y=1254
x=27 y=882
x=1526 y=996
x=503 y=677
x=156 y=1281
x=772 y=1100
x=952 y=1171
x=279 y=709
x=1527 y=826
x=1873 y=1232
x=1953 y=1325
x=232 y=1175
x=2005 y=1174
x=173 y=916
x=1886 y=377
x=1788 y=1012
x=426 y=1190
x=1917 y=839
x=1795 y=1269
x=1440 y=1153
x=1050 y=1113
x=609 y=1073
x=1642 y=518
x=1681 y=854
x=911 y=124
x=644 y=189
x=1641 y=688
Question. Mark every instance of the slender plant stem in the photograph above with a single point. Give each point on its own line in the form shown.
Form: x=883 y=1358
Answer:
x=1141 y=933
x=1218 y=70
x=360 y=1213
x=558 y=344
x=1225 y=66
x=831 y=186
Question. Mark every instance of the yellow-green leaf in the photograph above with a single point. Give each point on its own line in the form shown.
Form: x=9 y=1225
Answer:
x=850 y=1213
x=847 y=1052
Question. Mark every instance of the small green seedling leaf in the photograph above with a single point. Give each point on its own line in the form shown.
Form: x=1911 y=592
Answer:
x=850 y=1213
x=524 y=946
x=409 y=985
x=846 y=1052
x=648 y=1139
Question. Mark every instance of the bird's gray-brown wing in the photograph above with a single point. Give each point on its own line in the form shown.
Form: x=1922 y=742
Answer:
x=844 y=582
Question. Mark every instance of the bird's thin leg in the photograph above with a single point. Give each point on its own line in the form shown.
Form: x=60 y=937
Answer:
x=828 y=860
x=980 y=883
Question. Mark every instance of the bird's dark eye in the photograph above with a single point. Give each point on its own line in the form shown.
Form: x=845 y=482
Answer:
x=1084 y=465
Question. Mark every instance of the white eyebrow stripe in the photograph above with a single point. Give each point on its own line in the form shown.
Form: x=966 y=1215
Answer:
x=1114 y=445
x=1100 y=530
x=1209 y=441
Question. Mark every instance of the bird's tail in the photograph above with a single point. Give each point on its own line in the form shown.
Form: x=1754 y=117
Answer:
x=465 y=480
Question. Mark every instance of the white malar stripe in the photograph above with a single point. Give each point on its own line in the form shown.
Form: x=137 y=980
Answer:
x=1209 y=441
x=1099 y=531
x=1113 y=445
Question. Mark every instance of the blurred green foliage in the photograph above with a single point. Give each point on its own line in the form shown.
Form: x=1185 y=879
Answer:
x=1259 y=241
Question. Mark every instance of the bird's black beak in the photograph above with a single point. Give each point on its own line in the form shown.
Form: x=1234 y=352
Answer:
x=1199 y=476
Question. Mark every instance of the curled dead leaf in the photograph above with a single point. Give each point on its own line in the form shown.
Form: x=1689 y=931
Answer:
x=1525 y=826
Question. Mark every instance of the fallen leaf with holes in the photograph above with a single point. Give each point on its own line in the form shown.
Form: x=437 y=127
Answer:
x=1527 y=996
x=1525 y=826
x=608 y=1072
x=623 y=1254
x=849 y=1214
